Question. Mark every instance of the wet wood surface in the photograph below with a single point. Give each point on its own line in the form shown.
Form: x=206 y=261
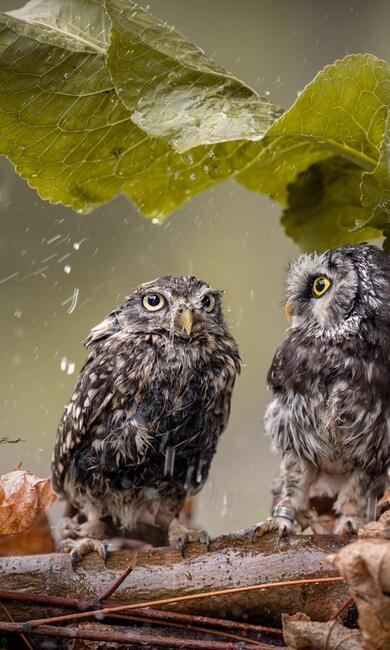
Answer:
x=232 y=561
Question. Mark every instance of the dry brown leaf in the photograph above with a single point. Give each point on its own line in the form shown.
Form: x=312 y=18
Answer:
x=36 y=540
x=365 y=565
x=380 y=528
x=23 y=496
x=384 y=502
x=301 y=633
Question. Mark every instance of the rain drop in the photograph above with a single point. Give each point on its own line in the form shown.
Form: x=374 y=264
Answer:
x=169 y=461
x=67 y=366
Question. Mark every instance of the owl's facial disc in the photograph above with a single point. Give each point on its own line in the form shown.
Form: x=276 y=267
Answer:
x=321 y=292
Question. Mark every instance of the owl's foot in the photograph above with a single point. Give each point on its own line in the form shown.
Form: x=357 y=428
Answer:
x=70 y=527
x=348 y=525
x=179 y=536
x=78 y=548
x=281 y=522
x=284 y=527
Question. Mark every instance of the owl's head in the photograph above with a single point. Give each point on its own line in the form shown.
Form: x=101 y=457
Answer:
x=176 y=306
x=332 y=293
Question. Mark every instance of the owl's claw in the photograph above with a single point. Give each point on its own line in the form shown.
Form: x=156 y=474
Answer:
x=180 y=536
x=348 y=525
x=205 y=539
x=78 y=548
x=279 y=525
x=180 y=543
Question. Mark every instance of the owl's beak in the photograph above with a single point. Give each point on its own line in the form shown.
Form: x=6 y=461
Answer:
x=288 y=311
x=186 y=321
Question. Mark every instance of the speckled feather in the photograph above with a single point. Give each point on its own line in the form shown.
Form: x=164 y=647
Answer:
x=330 y=417
x=149 y=406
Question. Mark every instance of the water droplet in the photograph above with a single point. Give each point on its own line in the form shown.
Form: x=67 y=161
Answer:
x=226 y=502
x=189 y=475
x=169 y=461
x=67 y=366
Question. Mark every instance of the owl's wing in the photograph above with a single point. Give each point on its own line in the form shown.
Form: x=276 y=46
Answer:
x=102 y=381
x=105 y=329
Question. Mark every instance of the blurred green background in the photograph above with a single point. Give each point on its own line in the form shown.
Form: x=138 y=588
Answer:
x=227 y=236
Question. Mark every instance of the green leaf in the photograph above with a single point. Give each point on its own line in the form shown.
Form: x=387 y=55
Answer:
x=99 y=97
x=341 y=112
x=173 y=90
x=61 y=122
x=66 y=130
x=375 y=186
x=325 y=209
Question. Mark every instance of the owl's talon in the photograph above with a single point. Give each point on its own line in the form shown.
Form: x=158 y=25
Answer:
x=205 y=539
x=74 y=558
x=180 y=543
x=180 y=536
x=257 y=532
x=348 y=525
x=283 y=532
x=280 y=525
x=104 y=552
x=78 y=548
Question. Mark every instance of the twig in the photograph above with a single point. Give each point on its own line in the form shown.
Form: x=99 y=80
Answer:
x=159 y=614
x=117 y=583
x=188 y=626
x=8 y=614
x=177 y=599
x=342 y=609
x=43 y=599
x=164 y=614
x=126 y=638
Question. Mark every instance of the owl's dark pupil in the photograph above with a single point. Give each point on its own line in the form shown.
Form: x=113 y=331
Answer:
x=320 y=285
x=153 y=300
x=206 y=302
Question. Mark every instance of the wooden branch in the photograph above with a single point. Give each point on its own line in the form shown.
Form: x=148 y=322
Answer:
x=232 y=561
x=129 y=638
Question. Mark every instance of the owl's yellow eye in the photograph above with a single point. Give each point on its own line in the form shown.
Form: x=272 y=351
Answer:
x=320 y=286
x=153 y=301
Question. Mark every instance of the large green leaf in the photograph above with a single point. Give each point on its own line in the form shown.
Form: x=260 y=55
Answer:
x=375 y=189
x=99 y=97
x=173 y=90
x=64 y=126
x=325 y=209
x=341 y=112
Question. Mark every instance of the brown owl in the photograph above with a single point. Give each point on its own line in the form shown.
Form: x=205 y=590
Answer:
x=149 y=406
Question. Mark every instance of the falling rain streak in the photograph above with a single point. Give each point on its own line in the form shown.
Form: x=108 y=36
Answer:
x=169 y=461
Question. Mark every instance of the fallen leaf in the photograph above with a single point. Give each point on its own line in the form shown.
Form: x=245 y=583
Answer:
x=36 y=540
x=384 y=502
x=380 y=528
x=365 y=565
x=23 y=496
x=301 y=633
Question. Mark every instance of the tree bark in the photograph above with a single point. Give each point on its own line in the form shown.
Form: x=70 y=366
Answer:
x=232 y=561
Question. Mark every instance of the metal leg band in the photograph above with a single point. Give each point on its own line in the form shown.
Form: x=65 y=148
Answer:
x=284 y=511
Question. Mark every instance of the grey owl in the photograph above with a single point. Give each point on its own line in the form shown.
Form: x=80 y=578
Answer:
x=149 y=406
x=330 y=416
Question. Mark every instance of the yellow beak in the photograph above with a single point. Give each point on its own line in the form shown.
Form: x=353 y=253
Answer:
x=288 y=311
x=186 y=321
